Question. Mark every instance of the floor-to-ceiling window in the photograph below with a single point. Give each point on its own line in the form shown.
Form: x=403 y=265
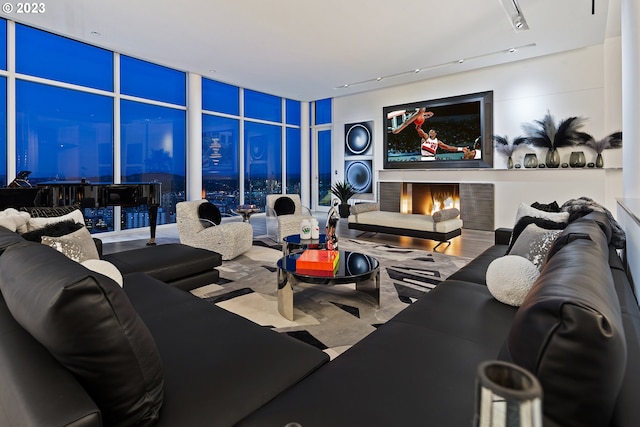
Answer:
x=322 y=159
x=83 y=112
x=64 y=120
x=221 y=144
x=66 y=103
x=221 y=161
x=251 y=142
x=153 y=135
x=263 y=146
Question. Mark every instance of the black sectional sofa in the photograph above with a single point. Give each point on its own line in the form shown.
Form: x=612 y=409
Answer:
x=578 y=331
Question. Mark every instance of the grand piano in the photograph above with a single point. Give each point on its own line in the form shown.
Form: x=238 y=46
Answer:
x=88 y=195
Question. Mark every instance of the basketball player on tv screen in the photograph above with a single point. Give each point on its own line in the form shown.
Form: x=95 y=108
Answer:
x=429 y=143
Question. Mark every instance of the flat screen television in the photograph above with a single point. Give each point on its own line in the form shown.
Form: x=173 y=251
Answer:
x=454 y=132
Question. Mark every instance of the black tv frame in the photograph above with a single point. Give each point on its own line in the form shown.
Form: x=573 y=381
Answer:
x=486 y=122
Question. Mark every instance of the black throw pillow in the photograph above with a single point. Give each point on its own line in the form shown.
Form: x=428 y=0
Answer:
x=55 y=229
x=209 y=212
x=551 y=207
x=540 y=222
x=284 y=206
x=49 y=212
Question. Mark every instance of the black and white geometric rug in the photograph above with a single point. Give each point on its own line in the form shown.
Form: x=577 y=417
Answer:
x=331 y=318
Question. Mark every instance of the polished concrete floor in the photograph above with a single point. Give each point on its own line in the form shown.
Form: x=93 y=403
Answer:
x=470 y=244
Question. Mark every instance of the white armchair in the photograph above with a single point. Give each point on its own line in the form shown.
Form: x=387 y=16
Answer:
x=284 y=213
x=229 y=239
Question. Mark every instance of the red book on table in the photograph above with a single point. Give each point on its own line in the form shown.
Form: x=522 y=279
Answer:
x=314 y=260
x=317 y=273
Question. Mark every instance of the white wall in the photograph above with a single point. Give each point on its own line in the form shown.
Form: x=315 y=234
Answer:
x=575 y=83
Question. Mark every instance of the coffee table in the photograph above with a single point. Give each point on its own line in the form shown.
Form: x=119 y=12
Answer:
x=294 y=243
x=353 y=267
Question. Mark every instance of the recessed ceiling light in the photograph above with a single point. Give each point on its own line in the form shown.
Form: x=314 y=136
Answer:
x=460 y=61
x=212 y=71
x=512 y=50
x=378 y=79
x=95 y=33
x=417 y=70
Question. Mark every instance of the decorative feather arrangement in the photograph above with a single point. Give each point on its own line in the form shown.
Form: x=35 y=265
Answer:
x=506 y=147
x=544 y=133
x=611 y=141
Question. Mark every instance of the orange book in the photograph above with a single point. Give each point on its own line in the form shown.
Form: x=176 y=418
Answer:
x=316 y=273
x=314 y=260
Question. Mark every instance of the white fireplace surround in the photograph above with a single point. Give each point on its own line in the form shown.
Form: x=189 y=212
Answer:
x=516 y=186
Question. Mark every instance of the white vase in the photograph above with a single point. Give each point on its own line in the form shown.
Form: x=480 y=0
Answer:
x=305 y=229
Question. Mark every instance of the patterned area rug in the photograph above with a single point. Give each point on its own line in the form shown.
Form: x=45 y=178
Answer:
x=331 y=318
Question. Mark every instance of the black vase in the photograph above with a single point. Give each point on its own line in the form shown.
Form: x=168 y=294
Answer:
x=553 y=158
x=530 y=160
x=577 y=159
x=343 y=210
x=599 y=161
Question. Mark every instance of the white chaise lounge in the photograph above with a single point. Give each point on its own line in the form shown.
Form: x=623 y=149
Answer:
x=442 y=226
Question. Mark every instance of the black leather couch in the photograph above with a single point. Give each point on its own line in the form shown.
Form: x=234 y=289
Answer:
x=178 y=265
x=578 y=331
x=68 y=336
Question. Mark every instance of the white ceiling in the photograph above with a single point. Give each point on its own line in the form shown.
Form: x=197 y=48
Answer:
x=308 y=49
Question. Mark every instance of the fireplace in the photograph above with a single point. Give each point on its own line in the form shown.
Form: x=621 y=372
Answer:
x=475 y=200
x=425 y=199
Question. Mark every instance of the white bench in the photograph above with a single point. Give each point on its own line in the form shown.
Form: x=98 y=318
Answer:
x=442 y=226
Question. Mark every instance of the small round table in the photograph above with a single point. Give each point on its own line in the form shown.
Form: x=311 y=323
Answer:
x=353 y=267
x=294 y=244
x=245 y=212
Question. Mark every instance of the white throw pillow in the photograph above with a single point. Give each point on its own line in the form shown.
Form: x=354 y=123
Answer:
x=526 y=210
x=105 y=268
x=509 y=278
x=36 y=223
x=14 y=220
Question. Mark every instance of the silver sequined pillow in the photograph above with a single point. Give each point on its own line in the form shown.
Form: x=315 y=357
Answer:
x=534 y=243
x=79 y=245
